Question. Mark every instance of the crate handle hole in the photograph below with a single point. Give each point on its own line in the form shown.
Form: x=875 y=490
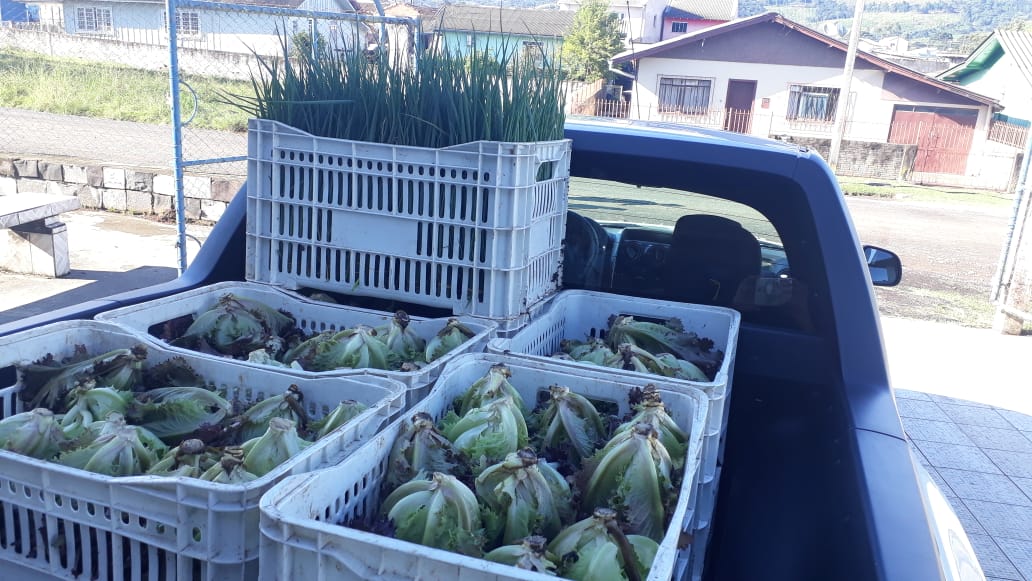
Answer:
x=9 y=378
x=546 y=171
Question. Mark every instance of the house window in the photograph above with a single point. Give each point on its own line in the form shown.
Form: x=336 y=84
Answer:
x=683 y=95
x=93 y=20
x=679 y=27
x=469 y=40
x=533 y=52
x=188 y=22
x=532 y=48
x=808 y=103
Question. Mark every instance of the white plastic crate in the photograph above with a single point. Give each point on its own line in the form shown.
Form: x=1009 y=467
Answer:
x=707 y=502
x=581 y=315
x=695 y=565
x=506 y=328
x=73 y=524
x=477 y=228
x=690 y=567
x=301 y=541
x=311 y=316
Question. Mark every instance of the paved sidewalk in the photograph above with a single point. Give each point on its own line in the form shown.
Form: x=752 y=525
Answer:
x=981 y=458
x=109 y=254
x=965 y=398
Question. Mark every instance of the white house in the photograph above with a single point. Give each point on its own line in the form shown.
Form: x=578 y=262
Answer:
x=684 y=16
x=642 y=20
x=214 y=28
x=1001 y=67
x=768 y=76
x=650 y=21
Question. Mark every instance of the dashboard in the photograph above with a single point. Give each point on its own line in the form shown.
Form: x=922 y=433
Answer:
x=634 y=259
x=640 y=260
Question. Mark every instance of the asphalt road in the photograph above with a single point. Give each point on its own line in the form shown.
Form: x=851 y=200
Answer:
x=127 y=143
x=950 y=253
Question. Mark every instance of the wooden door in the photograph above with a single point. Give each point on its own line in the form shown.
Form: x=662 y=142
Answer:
x=738 y=105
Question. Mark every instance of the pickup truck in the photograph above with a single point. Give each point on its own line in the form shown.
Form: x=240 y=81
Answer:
x=818 y=480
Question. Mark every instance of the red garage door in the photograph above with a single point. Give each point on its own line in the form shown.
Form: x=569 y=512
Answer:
x=942 y=136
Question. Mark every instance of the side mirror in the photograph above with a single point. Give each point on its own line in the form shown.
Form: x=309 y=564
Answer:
x=886 y=268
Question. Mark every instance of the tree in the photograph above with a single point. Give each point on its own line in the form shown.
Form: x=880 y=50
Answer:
x=1019 y=24
x=593 y=39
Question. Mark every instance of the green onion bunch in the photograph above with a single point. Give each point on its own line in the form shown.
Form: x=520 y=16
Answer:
x=436 y=99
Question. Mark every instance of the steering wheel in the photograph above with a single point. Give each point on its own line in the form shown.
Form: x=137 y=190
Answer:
x=584 y=256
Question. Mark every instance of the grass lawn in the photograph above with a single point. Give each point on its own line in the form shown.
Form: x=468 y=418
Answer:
x=853 y=186
x=95 y=89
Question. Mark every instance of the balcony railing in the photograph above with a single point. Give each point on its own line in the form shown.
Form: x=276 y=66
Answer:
x=1008 y=133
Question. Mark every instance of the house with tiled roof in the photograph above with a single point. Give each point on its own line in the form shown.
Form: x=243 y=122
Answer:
x=1001 y=67
x=684 y=16
x=459 y=29
x=640 y=20
x=649 y=21
x=221 y=27
x=769 y=76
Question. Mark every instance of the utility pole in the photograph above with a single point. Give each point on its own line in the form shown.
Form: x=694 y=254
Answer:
x=1009 y=318
x=843 y=100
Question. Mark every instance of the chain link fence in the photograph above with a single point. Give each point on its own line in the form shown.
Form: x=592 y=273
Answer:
x=86 y=96
x=92 y=82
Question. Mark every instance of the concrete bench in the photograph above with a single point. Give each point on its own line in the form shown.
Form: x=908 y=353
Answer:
x=35 y=241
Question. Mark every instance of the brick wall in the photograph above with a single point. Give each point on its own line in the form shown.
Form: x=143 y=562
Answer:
x=887 y=161
x=118 y=188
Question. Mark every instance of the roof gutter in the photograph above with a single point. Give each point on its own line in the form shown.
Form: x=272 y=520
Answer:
x=621 y=73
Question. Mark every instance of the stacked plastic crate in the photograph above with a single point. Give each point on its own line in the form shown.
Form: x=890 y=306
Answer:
x=62 y=522
x=581 y=315
x=148 y=319
x=319 y=525
x=475 y=228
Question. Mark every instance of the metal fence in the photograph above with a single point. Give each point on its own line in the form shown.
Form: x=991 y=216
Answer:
x=944 y=154
x=124 y=85
x=1008 y=133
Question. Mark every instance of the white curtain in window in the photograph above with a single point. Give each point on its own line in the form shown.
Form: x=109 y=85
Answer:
x=689 y=96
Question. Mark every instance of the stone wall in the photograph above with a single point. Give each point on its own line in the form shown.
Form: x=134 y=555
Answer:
x=118 y=188
x=887 y=161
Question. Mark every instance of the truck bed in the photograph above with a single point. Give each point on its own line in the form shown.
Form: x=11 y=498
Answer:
x=817 y=478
